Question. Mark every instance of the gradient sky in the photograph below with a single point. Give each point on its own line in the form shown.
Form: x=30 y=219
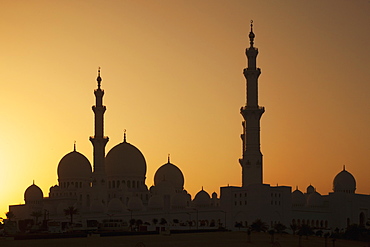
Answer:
x=172 y=75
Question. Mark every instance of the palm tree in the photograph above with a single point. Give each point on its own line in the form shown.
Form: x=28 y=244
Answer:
x=279 y=228
x=294 y=228
x=259 y=226
x=36 y=214
x=70 y=211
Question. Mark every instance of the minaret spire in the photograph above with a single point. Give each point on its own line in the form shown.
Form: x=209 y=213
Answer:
x=98 y=79
x=251 y=35
x=251 y=161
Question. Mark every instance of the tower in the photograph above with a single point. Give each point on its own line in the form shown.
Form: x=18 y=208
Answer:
x=251 y=161
x=99 y=140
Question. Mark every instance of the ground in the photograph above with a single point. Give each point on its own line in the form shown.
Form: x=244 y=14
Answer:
x=214 y=239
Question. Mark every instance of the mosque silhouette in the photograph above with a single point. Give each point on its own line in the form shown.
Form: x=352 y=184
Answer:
x=114 y=191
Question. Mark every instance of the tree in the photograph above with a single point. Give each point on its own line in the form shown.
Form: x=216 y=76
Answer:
x=238 y=225
x=36 y=215
x=138 y=223
x=294 y=228
x=279 y=228
x=155 y=221
x=70 y=211
x=132 y=223
x=259 y=226
x=163 y=221
x=305 y=230
x=10 y=215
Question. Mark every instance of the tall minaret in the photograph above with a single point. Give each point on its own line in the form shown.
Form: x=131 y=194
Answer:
x=251 y=161
x=99 y=140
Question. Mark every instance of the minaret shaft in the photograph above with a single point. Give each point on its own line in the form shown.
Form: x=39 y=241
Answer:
x=251 y=161
x=99 y=141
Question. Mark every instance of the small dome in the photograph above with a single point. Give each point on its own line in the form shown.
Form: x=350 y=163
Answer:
x=135 y=204
x=115 y=206
x=214 y=195
x=170 y=172
x=125 y=160
x=298 y=198
x=310 y=189
x=202 y=199
x=344 y=182
x=74 y=165
x=156 y=202
x=33 y=193
x=315 y=200
x=179 y=201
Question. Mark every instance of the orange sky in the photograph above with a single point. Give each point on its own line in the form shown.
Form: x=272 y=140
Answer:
x=172 y=75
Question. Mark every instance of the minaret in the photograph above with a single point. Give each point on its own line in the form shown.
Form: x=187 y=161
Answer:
x=99 y=140
x=251 y=161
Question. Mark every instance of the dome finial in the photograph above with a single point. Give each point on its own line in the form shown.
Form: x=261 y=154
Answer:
x=344 y=167
x=33 y=182
x=74 y=146
x=99 y=78
x=251 y=35
x=124 y=135
x=168 y=158
x=202 y=187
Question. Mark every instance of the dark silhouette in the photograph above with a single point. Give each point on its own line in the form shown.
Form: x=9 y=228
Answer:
x=272 y=233
x=279 y=228
x=294 y=228
x=10 y=215
x=36 y=215
x=70 y=211
x=163 y=221
x=259 y=226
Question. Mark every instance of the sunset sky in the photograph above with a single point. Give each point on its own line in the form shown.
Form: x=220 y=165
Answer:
x=172 y=75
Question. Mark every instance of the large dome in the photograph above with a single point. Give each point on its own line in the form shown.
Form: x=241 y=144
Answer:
x=74 y=165
x=33 y=193
x=171 y=173
x=125 y=160
x=344 y=182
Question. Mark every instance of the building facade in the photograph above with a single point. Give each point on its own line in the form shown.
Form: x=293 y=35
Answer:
x=114 y=188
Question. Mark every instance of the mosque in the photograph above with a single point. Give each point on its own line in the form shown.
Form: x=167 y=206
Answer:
x=114 y=189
